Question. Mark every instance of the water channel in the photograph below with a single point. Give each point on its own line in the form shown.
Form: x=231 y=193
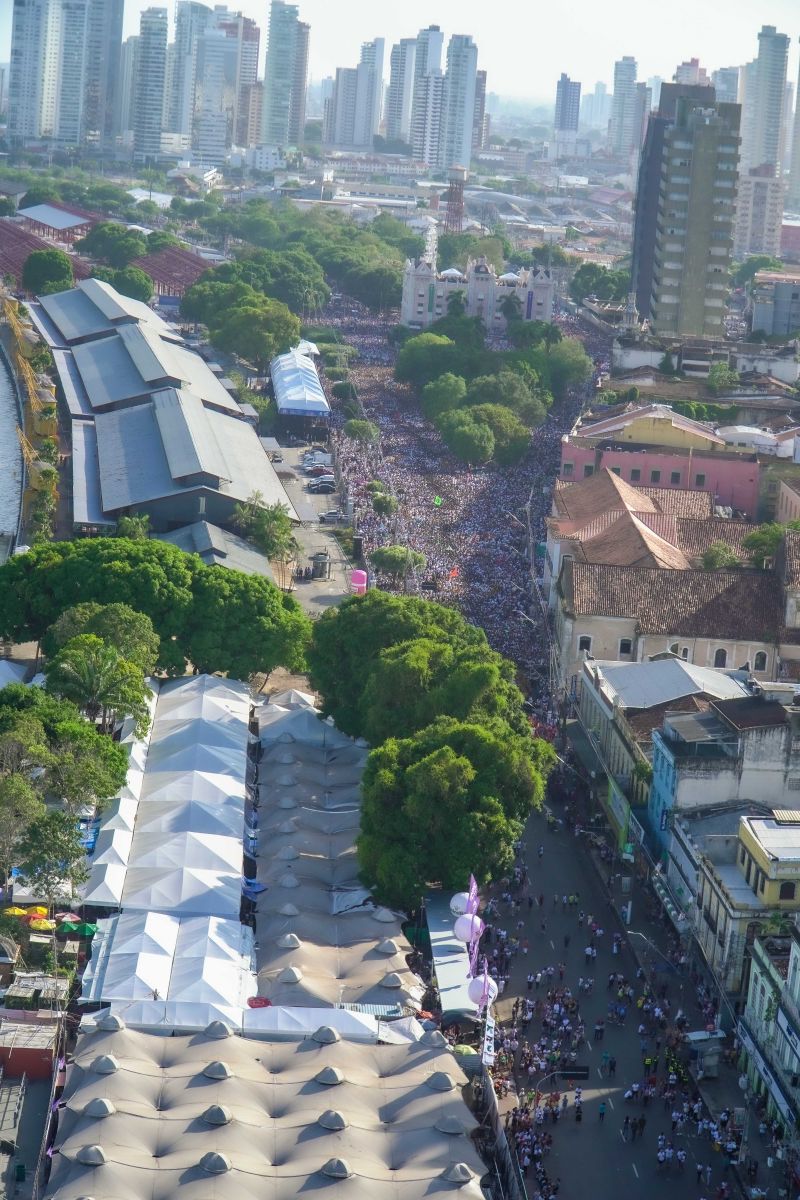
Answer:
x=11 y=467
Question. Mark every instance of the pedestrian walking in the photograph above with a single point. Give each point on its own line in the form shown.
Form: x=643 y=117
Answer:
x=566 y=941
x=626 y=1129
x=612 y=1067
x=601 y=1111
x=641 y=1123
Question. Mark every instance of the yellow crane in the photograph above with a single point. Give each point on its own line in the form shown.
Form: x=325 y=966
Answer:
x=24 y=368
x=28 y=452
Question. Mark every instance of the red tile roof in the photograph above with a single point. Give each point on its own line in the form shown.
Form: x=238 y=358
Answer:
x=173 y=266
x=16 y=243
x=735 y=605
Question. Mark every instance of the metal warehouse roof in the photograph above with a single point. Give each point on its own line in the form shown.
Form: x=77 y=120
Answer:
x=298 y=391
x=86 y=506
x=135 y=466
x=54 y=218
x=93 y=309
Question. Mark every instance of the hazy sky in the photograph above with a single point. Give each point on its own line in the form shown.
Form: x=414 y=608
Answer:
x=524 y=46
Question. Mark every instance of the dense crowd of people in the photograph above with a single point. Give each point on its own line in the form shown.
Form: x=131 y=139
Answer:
x=474 y=526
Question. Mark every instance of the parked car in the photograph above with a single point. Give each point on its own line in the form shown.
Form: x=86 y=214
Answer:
x=331 y=515
x=322 y=488
x=317 y=469
x=320 y=479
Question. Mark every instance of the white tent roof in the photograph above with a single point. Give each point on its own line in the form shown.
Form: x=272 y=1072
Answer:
x=157 y=957
x=225 y=1116
x=292 y=698
x=178 y=824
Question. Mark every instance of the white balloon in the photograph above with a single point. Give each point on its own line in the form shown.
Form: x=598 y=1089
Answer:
x=475 y=989
x=468 y=928
x=459 y=903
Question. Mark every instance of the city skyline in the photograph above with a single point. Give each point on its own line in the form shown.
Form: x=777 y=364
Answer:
x=584 y=42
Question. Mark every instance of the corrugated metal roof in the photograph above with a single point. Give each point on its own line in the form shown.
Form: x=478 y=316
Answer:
x=188 y=437
x=648 y=684
x=87 y=508
x=53 y=218
x=69 y=376
x=296 y=384
x=94 y=308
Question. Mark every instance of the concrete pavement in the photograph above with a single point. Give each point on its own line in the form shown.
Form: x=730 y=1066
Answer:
x=591 y=1158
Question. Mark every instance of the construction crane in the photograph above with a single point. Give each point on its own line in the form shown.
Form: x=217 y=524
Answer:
x=24 y=368
x=28 y=452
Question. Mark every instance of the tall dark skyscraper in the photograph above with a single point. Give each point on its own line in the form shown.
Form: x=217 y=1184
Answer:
x=568 y=104
x=647 y=191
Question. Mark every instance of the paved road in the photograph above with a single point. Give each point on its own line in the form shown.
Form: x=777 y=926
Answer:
x=591 y=1158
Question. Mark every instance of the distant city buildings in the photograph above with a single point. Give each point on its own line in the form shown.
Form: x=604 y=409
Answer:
x=352 y=114
x=401 y=90
x=763 y=98
x=149 y=84
x=596 y=108
x=285 y=76
x=759 y=213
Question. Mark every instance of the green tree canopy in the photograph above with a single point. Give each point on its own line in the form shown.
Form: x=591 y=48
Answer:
x=721 y=378
x=469 y=438
x=47 y=271
x=449 y=800
x=243 y=624
x=443 y=394
x=103 y=684
x=113 y=244
x=347 y=640
x=136 y=527
x=763 y=544
x=384 y=504
x=129 y=281
x=361 y=431
x=397 y=560
x=256 y=331
x=512 y=391
x=751 y=266
x=719 y=556
x=591 y=279
x=52 y=857
x=131 y=633
x=566 y=365
x=268 y=526
x=183 y=598
x=511 y=437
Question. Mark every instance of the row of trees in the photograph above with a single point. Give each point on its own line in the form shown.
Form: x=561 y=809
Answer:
x=485 y=402
x=213 y=618
x=454 y=772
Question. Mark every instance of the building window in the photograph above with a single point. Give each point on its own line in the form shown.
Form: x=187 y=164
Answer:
x=787 y=891
x=616 y=470
x=673 y=648
x=566 y=469
x=721 y=658
x=655 y=476
x=585 y=643
x=588 y=470
x=760 y=661
x=699 y=481
x=761 y=881
x=742 y=853
x=675 y=477
x=685 y=653
x=625 y=646
x=636 y=474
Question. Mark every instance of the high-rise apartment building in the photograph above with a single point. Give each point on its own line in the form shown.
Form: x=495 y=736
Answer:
x=401 y=90
x=694 y=233
x=596 y=107
x=759 y=213
x=149 y=84
x=353 y=113
x=793 y=189
x=725 y=82
x=101 y=70
x=285 y=76
x=654 y=83
x=479 y=129
x=63 y=70
x=649 y=184
x=191 y=21
x=568 y=104
x=625 y=126
x=458 y=102
x=126 y=88
x=691 y=72
x=763 y=102
x=426 y=97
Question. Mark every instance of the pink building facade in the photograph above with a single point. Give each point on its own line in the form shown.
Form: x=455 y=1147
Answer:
x=733 y=479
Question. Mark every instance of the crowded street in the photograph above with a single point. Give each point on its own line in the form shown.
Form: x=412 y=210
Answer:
x=470 y=523
x=590 y=1072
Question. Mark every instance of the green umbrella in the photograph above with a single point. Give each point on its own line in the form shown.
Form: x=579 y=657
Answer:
x=68 y=926
x=85 y=929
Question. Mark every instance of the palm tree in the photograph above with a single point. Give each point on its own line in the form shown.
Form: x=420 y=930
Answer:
x=93 y=675
x=511 y=307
